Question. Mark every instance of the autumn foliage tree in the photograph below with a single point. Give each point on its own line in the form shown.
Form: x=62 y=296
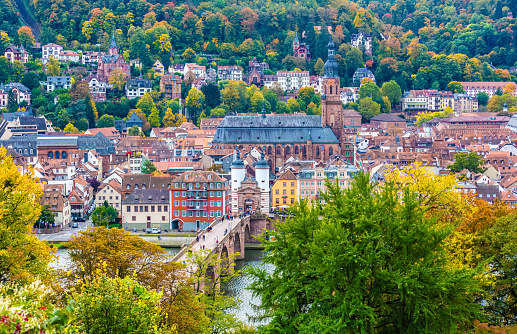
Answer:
x=23 y=257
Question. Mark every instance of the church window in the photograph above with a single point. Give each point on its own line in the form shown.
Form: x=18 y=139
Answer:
x=317 y=151
x=56 y=154
x=50 y=155
x=296 y=150
x=330 y=89
x=63 y=155
x=331 y=151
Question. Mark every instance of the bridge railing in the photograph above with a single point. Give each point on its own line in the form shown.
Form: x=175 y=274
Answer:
x=186 y=247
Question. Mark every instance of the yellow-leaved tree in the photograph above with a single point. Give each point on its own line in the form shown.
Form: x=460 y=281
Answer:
x=23 y=257
x=439 y=198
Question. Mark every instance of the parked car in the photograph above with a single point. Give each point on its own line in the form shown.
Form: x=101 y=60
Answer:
x=156 y=231
x=79 y=219
x=135 y=230
x=75 y=225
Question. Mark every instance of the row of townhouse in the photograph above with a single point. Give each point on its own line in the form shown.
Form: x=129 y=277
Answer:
x=416 y=101
x=189 y=201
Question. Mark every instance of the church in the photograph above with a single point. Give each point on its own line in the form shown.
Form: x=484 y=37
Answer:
x=306 y=137
x=112 y=61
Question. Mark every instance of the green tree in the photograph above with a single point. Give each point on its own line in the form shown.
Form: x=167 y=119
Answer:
x=214 y=272
x=212 y=95
x=23 y=257
x=154 y=118
x=392 y=91
x=146 y=104
x=482 y=98
x=91 y=111
x=386 y=269
x=293 y=105
x=82 y=124
x=104 y=215
x=354 y=60
x=46 y=216
x=194 y=103
x=134 y=131
x=282 y=108
x=147 y=167
x=106 y=121
x=115 y=305
x=469 y=161
x=497 y=246
x=455 y=87
x=52 y=67
x=368 y=108
x=370 y=89
x=318 y=67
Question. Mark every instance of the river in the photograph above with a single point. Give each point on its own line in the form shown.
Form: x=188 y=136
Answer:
x=236 y=287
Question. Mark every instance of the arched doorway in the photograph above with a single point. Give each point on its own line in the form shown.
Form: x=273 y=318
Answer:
x=247 y=236
x=176 y=224
x=249 y=204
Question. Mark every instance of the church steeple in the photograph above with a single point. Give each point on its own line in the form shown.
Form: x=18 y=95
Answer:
x=331 y=68
x=331 y=106
x=113 y=49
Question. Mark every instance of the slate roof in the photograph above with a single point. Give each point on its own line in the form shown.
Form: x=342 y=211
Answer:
x=277 y=129
x=138 y=83
x=39 y=122
x=387 y=118
x=148 y=196
x=110 y=59
x=11 y=85
x=9 y=116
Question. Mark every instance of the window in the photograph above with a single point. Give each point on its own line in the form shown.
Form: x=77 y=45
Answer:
x=136 y=208
x=277 y=201
x=128 y=208
x=284 y=184
x=277 y=192
x=292 y=191
x=219 y=203
x=292 y=184
x=148 y=218
x=133 y=218
x=183 y=213
x=164 y=208
x=141 y=208
x=219 y=213
x=163 y=218
x=284 y=200
x=152 y=208
x=218 y=194
x=292 y=200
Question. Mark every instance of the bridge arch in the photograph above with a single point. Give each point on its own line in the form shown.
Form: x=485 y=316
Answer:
x=224 y=256
x=237 y=246
x=247 y=236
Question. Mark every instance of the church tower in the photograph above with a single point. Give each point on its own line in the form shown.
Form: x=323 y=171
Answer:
x=113 y=49
x=331 y=106
x=296 y=44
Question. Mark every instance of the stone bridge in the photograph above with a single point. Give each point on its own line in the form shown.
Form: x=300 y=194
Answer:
x=226 y=237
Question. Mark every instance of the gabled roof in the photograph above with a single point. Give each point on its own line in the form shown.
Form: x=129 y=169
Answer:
x=288 y=175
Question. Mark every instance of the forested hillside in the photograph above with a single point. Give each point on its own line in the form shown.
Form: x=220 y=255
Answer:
x=476 y=31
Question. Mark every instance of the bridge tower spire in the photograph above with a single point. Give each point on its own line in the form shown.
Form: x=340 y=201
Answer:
x=238 y=172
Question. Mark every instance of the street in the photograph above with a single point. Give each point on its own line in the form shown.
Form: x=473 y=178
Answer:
x=65 y=234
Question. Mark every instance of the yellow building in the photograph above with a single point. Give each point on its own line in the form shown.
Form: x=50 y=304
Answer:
x=285 y=190
x=158 y=68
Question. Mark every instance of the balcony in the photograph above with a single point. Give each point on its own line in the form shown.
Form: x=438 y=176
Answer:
x=197 y=207
x=197 y=198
